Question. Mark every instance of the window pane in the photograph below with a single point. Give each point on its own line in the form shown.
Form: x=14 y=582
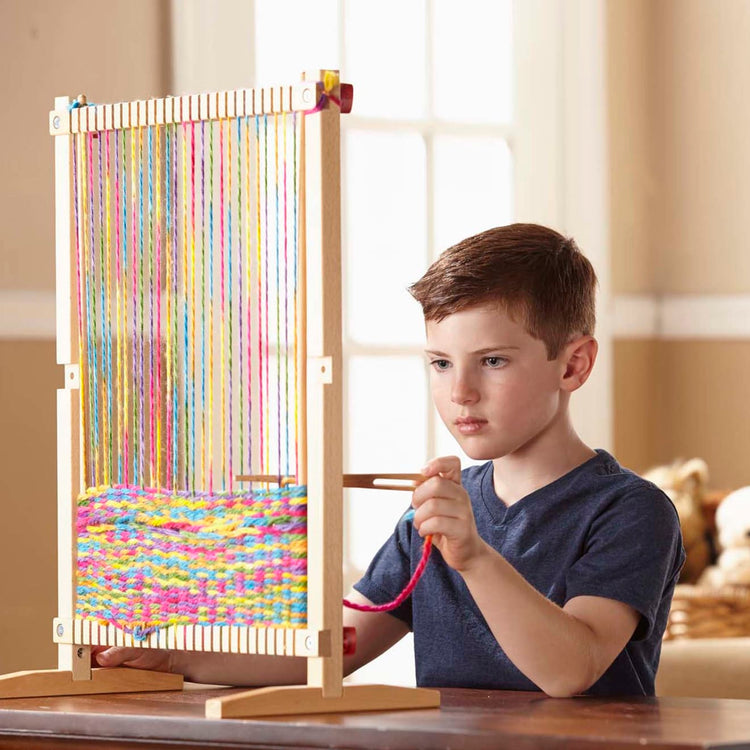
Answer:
x=292 y=36
x=385 y=432
x=385 y=242
x=386 y=415
x=385 y=57
x=473 y=187
x=472 y=60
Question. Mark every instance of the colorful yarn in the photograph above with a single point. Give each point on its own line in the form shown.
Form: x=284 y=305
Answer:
x=150 y=558
x=152 y=319
x=406 y=593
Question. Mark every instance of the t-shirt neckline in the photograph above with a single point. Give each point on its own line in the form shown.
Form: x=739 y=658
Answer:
x=500 y=513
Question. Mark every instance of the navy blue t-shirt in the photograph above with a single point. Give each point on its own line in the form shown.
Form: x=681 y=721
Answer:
x=599 y=530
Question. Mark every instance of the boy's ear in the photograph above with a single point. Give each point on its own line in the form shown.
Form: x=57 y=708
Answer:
x=578 y=357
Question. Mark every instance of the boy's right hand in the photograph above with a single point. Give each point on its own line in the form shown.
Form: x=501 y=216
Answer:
x=153 y=659
x=443 y=510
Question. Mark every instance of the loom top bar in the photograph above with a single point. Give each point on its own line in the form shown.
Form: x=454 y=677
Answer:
x=218 y=105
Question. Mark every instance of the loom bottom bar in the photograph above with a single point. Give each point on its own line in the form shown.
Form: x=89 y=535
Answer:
x=238 y=639
x=300 y=699
x=47 y=682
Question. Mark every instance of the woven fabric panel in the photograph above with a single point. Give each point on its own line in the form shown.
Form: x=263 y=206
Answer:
x=152 y=558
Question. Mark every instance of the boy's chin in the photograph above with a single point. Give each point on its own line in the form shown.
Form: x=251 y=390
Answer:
x=478 y=452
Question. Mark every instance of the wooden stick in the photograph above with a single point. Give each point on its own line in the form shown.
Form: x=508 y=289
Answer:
x=69 y=450
x=299 y=699
x=404 y=482
x=282 y=481
x=238 y=639
x=190 y=108
x=324 y=391
x=29 y=684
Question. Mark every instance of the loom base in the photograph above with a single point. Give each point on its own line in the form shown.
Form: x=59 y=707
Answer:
x=300 y=699
x=47 y=682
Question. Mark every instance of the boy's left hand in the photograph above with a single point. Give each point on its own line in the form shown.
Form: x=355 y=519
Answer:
x=443 y=509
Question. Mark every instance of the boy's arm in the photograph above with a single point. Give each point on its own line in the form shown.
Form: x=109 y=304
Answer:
x=376 y=632
x=563 y=650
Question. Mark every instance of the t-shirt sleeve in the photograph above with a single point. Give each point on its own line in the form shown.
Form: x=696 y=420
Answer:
x=390 y=570
x=633 y=554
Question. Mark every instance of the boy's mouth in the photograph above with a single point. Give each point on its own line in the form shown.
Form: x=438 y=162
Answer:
x=469 y=425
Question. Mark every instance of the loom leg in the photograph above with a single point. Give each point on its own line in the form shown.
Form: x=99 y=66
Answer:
x=300 y=699
x=47 y=682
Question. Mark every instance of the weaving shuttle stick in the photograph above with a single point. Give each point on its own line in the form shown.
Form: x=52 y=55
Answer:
x=403 y=482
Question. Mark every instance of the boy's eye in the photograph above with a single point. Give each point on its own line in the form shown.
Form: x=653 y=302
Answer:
x=440 y=364
x=495 y=361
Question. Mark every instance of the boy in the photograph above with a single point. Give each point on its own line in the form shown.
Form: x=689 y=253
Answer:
x=554 y=567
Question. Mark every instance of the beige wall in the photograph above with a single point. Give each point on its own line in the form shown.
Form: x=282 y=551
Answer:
x=680 y=191
x=112 y=50
x=630 y=47
x=684 y=399
x=701 y=76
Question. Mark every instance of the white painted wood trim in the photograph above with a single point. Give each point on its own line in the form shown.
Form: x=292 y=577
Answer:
x=635 y=316
x=681 y=316
x=30 y=315
x=585 y=193
x=27 y=314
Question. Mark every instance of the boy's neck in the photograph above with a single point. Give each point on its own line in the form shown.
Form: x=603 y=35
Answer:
x=550 y=456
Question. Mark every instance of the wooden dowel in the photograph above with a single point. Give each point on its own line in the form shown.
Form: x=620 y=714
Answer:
x=404 y=482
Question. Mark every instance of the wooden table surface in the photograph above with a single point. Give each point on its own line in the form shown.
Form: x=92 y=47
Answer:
x=467 y=719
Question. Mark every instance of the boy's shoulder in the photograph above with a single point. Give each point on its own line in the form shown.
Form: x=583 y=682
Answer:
x=600 y=483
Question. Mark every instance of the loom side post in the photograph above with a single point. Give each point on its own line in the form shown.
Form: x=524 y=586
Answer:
x=324 y=391
x=69 y=469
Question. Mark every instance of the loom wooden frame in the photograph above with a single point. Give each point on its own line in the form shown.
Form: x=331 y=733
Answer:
x=320 y=439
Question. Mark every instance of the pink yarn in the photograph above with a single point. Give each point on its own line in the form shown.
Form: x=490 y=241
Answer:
x=401 y=598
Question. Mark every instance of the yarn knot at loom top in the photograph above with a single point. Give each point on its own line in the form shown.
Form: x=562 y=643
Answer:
x=343 y=101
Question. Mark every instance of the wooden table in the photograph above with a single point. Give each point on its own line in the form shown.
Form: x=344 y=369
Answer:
x=467 y=719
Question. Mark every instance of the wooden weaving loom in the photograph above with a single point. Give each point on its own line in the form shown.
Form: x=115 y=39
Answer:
x=199 y=325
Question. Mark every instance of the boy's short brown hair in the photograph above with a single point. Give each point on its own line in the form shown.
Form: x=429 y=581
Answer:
x=533 y=272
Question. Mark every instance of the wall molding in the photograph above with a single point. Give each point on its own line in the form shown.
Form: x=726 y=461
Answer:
x=31 y=315
x=27 y=314
x=681 y=316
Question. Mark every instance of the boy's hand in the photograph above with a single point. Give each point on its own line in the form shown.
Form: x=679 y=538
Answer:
x=443 y=509
x=138 y=658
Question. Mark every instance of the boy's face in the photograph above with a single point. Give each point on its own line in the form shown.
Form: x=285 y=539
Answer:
x=491 y=381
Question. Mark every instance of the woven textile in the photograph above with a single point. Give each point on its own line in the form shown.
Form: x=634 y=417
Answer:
x=152 y=558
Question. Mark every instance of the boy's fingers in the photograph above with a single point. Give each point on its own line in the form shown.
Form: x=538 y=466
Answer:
x=447 y=466
x=115 y=656
x=107 y=658
x=437 y=506
x=436 y=486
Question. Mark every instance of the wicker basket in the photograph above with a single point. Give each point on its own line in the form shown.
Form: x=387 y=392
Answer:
x=702 y=612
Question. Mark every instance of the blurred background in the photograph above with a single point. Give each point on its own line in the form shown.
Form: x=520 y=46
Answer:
x=619 y=122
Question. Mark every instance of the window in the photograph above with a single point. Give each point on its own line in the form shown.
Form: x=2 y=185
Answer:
x=433 y=151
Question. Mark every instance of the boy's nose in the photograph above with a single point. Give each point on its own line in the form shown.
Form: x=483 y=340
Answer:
x=463 y=392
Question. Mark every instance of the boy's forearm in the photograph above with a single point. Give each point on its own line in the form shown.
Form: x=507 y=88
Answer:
x=551 y=647
x=239 y=670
